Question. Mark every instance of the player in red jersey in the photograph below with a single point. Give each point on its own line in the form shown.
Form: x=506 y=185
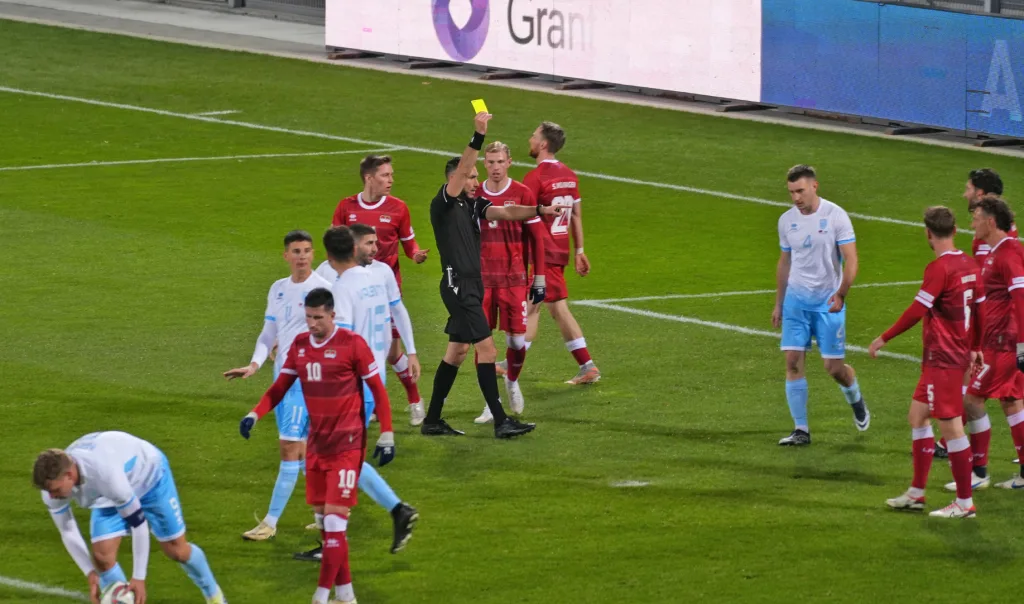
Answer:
x=982 y=182
x=389 y=215
x=1002 y=341
x=332 y=364
x=948 y=303
x=503 y=266
x=554 y=184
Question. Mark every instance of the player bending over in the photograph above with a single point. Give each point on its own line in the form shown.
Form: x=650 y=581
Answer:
x=376 y=207
x=285 y=318
x=127 y=485
x=332 y=364
x=815 y=272
x=503 y=261
x=948 y=303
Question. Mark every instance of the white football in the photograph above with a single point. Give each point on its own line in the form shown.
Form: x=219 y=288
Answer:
x=117 y=593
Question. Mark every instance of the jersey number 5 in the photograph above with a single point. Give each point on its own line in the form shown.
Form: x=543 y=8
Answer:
x=560 y=226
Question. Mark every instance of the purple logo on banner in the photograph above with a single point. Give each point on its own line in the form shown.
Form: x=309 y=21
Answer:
x=461 y=44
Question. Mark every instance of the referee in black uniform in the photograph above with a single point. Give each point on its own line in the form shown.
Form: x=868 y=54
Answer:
x=455 y=214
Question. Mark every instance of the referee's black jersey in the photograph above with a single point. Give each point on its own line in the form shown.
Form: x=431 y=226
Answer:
x=456 y=222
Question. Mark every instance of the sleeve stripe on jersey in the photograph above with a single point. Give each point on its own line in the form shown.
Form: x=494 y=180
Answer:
x=62 y=510
x=980 y=300
x=1013 y=287
x=269 y=318
x=1018 y=281
x=371 y=374
x=981 y=253
x=533 y=220
x=926 y=303
x=845 y=241
x=348 y=326
x=412 y=235
x=577 y=201
x=126 y=504
x=395 y=302
x=785 y=248
x=926 y=296
x=289 y=371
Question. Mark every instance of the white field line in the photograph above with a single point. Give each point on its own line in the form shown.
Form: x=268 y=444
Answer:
x=750 y=292
x=723 y=326
x=171 y=160
x=226 y=112
x=42 y=589
x=359 y=141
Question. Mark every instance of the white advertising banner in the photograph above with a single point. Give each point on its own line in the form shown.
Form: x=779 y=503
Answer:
x=707 y=47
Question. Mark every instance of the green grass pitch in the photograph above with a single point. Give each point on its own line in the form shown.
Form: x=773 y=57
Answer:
x=128 y=289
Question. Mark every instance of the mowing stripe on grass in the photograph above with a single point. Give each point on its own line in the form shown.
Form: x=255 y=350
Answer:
x=359 y=141
x=176 y=160
x=723 y=326
x=42 y=589
x=750 y=292
x=171 y=160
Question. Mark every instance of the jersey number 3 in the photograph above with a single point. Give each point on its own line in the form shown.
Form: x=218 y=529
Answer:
x=560 y=225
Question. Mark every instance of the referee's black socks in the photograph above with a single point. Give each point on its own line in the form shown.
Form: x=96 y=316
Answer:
x=443 y=381
x=488 y=379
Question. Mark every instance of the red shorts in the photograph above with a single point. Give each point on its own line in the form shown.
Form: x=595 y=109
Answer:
x=999 y=378
x=554 y=279
x=510 y=304
x=942 y=390
x=334 y=480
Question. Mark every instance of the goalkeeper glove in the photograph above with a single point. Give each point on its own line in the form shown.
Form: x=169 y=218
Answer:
x=385 y=448
x=247 y=424
x=1020 y=356
x=538 y=290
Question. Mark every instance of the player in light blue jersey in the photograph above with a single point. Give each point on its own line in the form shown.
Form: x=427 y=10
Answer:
x=285 y=318
x=127 y=485
x=815 y=272
x=364 y=302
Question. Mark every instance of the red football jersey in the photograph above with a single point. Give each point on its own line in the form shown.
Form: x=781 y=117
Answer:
x=332 y=374
x=1002 y=272
x=952 y=285
x=390 y=216
x=503 y=243
x=554 y=184
x=980 y=249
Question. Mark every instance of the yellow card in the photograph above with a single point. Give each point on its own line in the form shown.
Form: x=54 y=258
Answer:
x=479 y=106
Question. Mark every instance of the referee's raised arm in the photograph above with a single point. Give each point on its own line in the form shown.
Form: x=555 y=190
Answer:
x=469 y=156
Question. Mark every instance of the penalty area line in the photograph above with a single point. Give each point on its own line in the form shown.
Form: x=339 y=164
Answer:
x=723 y=326
x=42 y=589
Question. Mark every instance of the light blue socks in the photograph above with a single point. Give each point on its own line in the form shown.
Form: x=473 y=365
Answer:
x=374 y=485
x=796 y=396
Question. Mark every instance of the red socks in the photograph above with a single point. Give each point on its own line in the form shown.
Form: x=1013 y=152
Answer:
x=401 y=368
x=334 y=564
x=960 y=462
x=924 y=452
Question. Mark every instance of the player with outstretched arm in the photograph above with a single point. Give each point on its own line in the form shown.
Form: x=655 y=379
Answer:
x=949 y=303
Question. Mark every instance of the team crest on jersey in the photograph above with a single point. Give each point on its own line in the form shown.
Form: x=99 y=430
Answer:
x=793 y=227
x=302 y=352
x=385 y=218
x=352 y=217
x=330 y=354
x=280 y=295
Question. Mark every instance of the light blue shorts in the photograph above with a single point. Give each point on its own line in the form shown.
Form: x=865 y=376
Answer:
x=828 y=329
x=291 y=415
x=160 y=505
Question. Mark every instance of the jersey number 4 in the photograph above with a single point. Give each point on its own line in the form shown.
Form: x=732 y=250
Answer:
x=560 y=225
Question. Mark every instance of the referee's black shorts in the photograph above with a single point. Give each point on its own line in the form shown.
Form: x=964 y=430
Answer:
x=464 y=299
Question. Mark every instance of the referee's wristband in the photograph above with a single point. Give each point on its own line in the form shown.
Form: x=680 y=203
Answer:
x=477 y=142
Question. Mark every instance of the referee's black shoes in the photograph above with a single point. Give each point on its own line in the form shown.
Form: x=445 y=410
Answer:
x=511 y=428
x=441 y=428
